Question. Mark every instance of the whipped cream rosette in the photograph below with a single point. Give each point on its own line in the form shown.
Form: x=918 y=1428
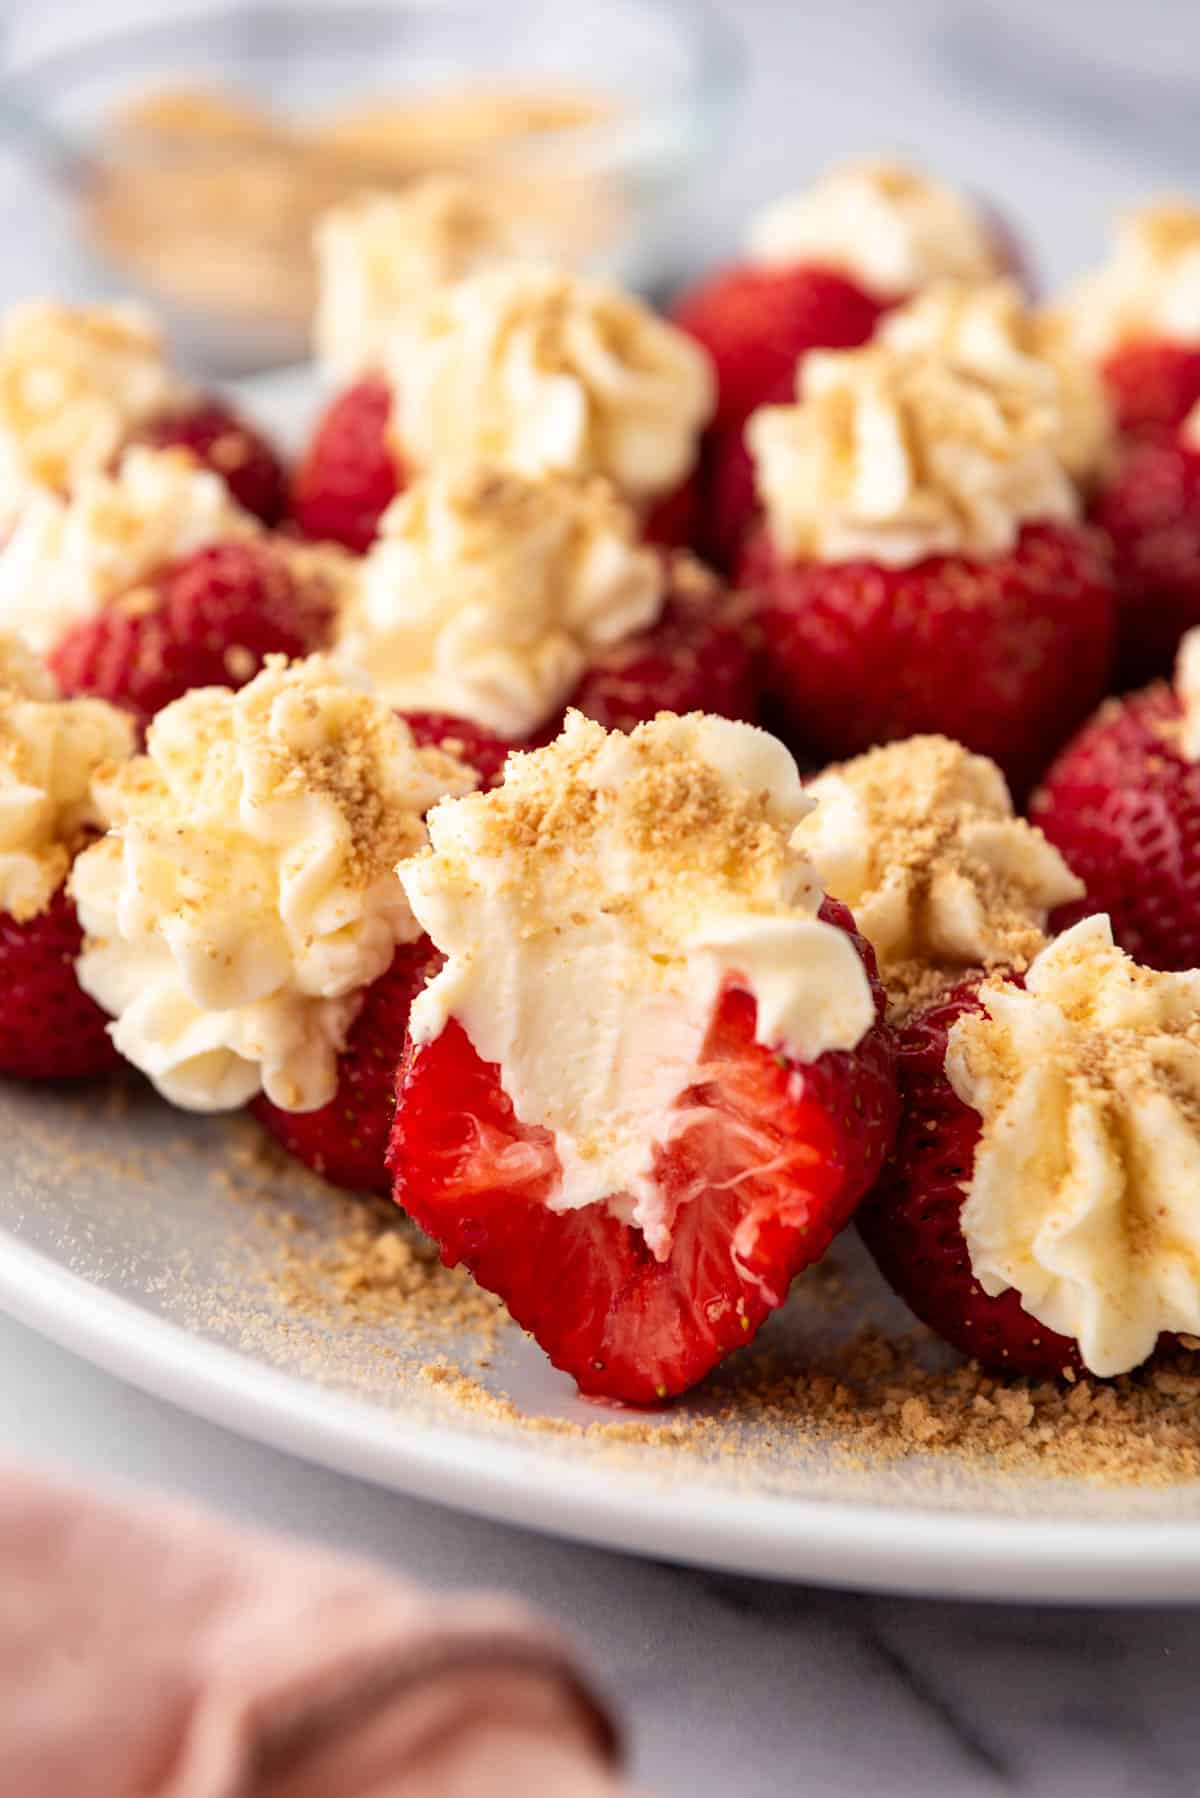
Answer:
x=539 y=371
x=886 y=225
x=246 y=893
x=487 y=593
x=50 y=751
x=1083 y=1193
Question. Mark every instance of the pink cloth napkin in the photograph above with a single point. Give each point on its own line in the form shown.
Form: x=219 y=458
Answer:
x=147 y=1651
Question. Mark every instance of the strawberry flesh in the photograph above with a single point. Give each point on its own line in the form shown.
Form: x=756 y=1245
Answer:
x=767 y=1164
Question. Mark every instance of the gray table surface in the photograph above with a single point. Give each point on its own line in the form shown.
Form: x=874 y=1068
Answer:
x=733 y=1686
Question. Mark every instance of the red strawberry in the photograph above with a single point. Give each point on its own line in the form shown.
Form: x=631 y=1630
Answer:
x=756 y=323
x=1150 y=513
x=349 y=474
x=49 y=1028
x=773 y=1159
x=208 y=621
x=1005 y=655
x=910 y=1222
x=674 y=520
x=697 y=658
x=346 y=1141
x=463 y=738
x=235 y=450
x=1153 y=385
x=1123 y=806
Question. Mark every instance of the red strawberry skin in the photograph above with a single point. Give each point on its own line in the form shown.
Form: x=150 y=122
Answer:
x=346 y=1141
x=731 y=498
x=699 y=657
x=49 y=1028
x=461 y=737
x=756 y=323
x=235 y=450
x=1153 y=385
x=1150 y=514
x=1123 y=807
x=210 y=620
x=349 y=474
x=1006 y=656
x=674 y=520
x=911 y=1221
x=774 y=1161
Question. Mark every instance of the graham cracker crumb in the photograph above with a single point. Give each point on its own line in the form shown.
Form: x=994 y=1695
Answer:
x=920 y=840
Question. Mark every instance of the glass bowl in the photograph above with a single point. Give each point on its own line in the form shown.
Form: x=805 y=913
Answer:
x=187 y=155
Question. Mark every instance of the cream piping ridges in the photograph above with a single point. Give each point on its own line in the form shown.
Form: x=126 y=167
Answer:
x=648 y=790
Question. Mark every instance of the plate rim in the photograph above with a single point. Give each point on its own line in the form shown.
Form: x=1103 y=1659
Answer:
x=800 y=1539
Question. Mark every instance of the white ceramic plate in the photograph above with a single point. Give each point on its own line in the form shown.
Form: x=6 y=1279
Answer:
x=149 y=1243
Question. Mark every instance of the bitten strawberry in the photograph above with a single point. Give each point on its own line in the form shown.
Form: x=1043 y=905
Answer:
x=641 y=1180
x=1150 y=515
x=210 y=620
x=349 y=474
x=1039 y=1209
x=49 y=1028
x=346 y=1140
x=911 y=1220
x=1122 y=803
x=237 y=451
x=943 y=586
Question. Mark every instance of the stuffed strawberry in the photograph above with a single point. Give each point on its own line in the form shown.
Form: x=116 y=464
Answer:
x=1138 y=318
x=50 y=749
x=651 y=1081
x=1122 y=803
x=150 y=580
x=920 y=840
x=81 y=384
x=244 y=906
x=923 y=567
x=1039 y=1210
x=502 y=598
x=346 y=1139
x=526 y=368
x=822 y=268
